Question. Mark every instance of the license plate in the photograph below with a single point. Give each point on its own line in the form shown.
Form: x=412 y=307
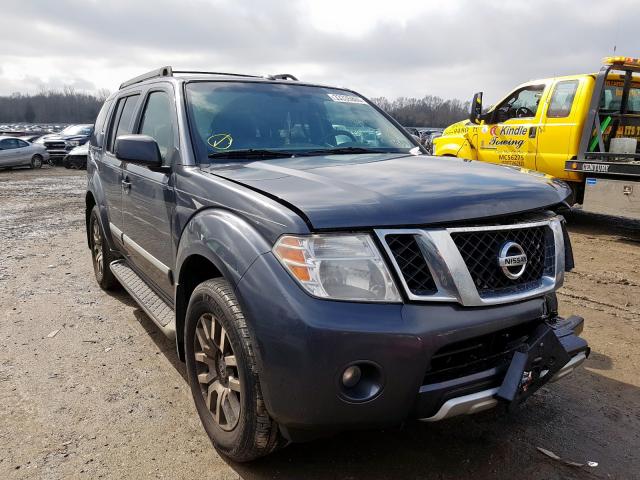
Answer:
x=533 y=364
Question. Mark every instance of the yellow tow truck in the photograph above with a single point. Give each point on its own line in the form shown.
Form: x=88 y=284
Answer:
x=584 y=129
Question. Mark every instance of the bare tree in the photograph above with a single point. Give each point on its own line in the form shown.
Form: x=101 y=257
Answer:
x=52 y=106
x=429 y=111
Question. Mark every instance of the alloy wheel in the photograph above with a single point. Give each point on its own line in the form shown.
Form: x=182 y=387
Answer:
x=96 y=250
x=217 y=371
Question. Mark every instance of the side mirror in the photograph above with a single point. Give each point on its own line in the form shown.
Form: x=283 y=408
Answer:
x=139 y=149
x=476 y=108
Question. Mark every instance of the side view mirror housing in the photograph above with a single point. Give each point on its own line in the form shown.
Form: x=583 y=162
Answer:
x=475 y=115
x=139 y=149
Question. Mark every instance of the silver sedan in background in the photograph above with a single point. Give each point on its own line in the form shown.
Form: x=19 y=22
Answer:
x=15 y=152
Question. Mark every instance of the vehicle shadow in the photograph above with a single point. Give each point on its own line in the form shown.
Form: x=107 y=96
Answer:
x=585 y=418
x=164 y=344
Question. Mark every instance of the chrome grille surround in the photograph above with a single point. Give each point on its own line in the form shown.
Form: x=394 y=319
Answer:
x=453 y=281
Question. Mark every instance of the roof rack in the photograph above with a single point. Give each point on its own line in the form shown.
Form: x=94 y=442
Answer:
x=159 y=72
x=168 y=72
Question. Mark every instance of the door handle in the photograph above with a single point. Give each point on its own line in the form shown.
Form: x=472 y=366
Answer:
x=532 y=132
x=126 y=184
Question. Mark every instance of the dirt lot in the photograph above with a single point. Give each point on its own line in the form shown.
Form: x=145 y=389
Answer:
x=106 y=397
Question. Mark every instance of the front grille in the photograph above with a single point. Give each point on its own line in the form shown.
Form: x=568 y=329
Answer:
x=411 y=263
x=480 y=250
x=55 y=145
x=477 y=354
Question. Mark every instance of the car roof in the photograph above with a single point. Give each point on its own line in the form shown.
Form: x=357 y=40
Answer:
x=8 y=137
x=181 y=79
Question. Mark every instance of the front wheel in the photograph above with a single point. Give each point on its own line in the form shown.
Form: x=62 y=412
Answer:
x=223 y=375
x=36 y=161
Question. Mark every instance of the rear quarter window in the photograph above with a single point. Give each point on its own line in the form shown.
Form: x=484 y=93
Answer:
x=97 y=139
x=562 y=99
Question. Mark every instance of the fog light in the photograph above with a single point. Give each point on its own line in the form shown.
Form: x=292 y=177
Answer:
x=351 y=376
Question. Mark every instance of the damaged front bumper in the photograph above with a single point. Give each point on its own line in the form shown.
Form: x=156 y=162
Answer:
x=515 y=382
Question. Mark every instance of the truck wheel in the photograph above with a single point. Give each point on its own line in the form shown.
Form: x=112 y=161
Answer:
x=36 y=161
x=223 y=375
x=100 y=253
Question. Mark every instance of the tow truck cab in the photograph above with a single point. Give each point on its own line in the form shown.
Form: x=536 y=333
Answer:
x=584 y=129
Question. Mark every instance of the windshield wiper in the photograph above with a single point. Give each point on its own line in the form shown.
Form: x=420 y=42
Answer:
x=251 y=153
x=341 y=151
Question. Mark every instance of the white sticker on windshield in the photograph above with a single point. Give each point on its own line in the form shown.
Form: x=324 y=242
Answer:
x=346 y=98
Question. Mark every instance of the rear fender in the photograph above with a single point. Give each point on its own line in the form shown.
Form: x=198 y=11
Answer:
x=95 y=196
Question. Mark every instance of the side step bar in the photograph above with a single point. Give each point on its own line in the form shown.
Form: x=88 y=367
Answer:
x=157 y=309
x=484 y=400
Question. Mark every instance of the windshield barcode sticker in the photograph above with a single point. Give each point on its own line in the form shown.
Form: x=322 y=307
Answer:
x=346 y=98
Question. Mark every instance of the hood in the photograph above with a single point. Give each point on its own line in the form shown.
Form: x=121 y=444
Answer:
x=57 y=136
x=354 y=191
x=81 y=150
x=458 y=128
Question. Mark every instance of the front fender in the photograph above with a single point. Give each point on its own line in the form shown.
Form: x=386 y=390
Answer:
x=458 y=148
x=226 y=240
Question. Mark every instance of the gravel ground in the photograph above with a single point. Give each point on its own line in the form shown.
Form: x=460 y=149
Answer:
x=89 y=388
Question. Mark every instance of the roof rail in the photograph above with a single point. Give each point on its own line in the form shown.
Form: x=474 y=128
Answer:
x=282 y=76
x=160 y=72
x=168 y=72
x=197 y=72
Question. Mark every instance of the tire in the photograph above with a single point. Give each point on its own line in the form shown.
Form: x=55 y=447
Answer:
x=101 y=256
x=243 y=430
x=36 y=161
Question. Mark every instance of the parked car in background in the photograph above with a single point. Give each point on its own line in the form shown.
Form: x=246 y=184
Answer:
x=32 y=137
x=76 y=158
x=426 y=138
x=15 y=152
x=60 y=144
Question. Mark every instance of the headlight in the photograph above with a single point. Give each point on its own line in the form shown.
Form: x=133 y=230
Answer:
x=339 y=267
x=73 y=143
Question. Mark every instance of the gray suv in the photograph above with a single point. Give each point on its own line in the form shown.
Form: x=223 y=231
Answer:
x=317 y=270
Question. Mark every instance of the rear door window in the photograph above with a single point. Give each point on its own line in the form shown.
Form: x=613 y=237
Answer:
x=562 y=99
x=122 y=119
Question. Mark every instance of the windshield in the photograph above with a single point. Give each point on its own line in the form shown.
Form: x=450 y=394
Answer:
x=237 y=116
x=77 y=130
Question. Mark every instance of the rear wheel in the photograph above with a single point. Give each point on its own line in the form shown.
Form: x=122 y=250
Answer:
x=223 y=374
x=100 y=253
x=36 y=161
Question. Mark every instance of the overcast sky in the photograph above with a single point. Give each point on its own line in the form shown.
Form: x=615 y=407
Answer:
x=449 y=48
